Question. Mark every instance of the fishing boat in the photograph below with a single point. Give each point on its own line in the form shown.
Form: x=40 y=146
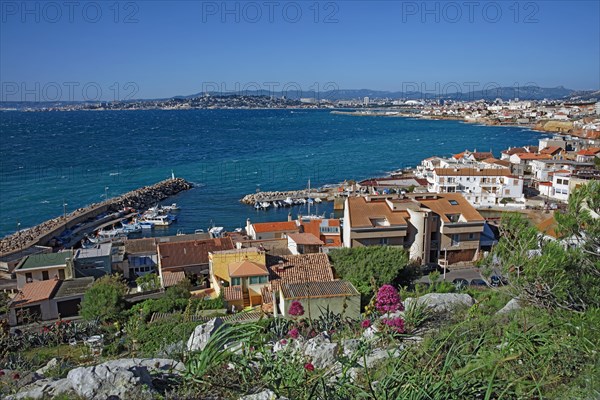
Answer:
x=318 y=200
x=289 y=201
x=159 y=220
x=265 y=204
x=257 y=206
x=216 y=231
x=145 y=225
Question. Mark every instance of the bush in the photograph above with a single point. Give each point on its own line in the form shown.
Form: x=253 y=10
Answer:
x=105 y=299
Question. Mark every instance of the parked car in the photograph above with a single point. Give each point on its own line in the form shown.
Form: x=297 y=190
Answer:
x=460 y=283
x=496 y=281
x=478 y=283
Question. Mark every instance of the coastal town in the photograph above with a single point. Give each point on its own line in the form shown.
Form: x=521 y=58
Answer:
x=445 y=212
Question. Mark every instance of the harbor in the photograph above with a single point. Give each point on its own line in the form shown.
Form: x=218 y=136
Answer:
x=71 y=228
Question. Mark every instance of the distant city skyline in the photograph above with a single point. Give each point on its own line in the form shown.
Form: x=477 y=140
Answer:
x=147 y=49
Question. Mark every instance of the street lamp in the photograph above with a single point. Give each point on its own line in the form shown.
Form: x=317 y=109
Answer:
x=106 y=193
x=65 y=209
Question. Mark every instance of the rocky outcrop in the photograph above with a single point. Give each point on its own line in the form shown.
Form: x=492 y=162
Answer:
x=138 y=199
x=511 y=306
x=125 y=379
x=199 y=338
x=321 y=351
x=442 y=302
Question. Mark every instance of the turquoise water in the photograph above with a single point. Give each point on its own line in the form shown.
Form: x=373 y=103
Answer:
x=50 y=158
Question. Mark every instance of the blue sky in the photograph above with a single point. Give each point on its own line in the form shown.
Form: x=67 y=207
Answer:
x=152 y=49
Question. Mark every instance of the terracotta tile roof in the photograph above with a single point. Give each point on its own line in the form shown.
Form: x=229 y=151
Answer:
x=545 y=183
x=171 y=278
x=232 y=293
x=482 y=155
x=140 y=246
x=299 y=268
x=305 y=239
x=325 y=289
x=442 y=206
x=34 y=292
x=514 y=150
x=495 y=161
x=247 y=268
x=472 y=171
x=551 y=150
x=190 y=253
x=592 y=151
x=282 y=226
x=362 y=212
x=533 y=156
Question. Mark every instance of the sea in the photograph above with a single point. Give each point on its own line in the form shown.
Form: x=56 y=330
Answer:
x=52 y=162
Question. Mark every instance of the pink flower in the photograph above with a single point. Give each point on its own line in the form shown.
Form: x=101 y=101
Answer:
x=283 y=341
x=293 y=333
x=388 y=300
x=16 y=376
x=365 y=324
x=395 y=323
x=1 y=372
x=309 y=367
x=296 y=309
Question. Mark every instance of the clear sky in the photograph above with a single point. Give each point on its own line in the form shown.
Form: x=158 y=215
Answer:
x=150 y=49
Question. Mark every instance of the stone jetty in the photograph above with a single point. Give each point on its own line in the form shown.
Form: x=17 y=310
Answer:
x=138 y=199
x=294 y=194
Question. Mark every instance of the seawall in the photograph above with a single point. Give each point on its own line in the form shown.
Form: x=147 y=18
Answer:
x=138 y=199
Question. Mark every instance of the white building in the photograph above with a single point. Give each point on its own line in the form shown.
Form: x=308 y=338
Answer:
x=480 y=186
x=560 y=185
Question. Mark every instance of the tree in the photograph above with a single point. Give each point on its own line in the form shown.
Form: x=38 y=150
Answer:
x=148 y=282
x=563 y=274
x=383 y=264
x=105 y=299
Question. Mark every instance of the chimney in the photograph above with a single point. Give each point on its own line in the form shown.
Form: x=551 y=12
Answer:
x=290 y=217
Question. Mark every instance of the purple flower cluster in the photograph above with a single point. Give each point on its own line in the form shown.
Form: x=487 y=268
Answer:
x=388 y=300
x=293 y=333
x=296 y=309
x=395 y=323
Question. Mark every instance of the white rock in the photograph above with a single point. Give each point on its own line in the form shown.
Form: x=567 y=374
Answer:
x=512 y=305
x=321 y=351
x=264 y=395
x=199 y=338
x=52 y=364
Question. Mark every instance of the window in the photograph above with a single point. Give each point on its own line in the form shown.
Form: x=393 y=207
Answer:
x=28 y=277
x=61 y=274
x=236 y=281
x=255 y=280
x=384 y=241
x=471 y=236
x=45 y=276
x=455 y=239
x=453 y=202
x=330 y=241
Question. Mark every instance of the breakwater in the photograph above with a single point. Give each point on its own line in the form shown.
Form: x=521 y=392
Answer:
x=138 y=199
x=294 y=194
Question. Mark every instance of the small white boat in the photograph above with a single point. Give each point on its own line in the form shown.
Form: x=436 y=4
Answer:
x=159 y=220
x=318 y=200
x=302 y=201
x=172 y=207
x=265 y=204
x=275 y=204
x=310 y=201
x=257 y=206
x=216 y=231
x=289 y=201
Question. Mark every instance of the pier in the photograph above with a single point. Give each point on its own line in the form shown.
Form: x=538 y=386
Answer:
x=253 y=198
x=85 y=219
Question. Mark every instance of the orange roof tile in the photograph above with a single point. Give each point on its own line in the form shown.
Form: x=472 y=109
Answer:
x=35 y=292
x=172 y=278
x=442 y=207
x=282 y=226
x=551 y=150
x=362 y=212
x=548 y=227
x=247 y=268
x=191 y=253
x=533 y=156
x=305 y=239
x=592 y=151
x=299 y=268
x=318 y=289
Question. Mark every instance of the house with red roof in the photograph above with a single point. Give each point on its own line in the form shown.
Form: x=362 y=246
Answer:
x=588 y=155
x=271 y=230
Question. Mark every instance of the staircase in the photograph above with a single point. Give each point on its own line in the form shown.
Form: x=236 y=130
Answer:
x=246 y=297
